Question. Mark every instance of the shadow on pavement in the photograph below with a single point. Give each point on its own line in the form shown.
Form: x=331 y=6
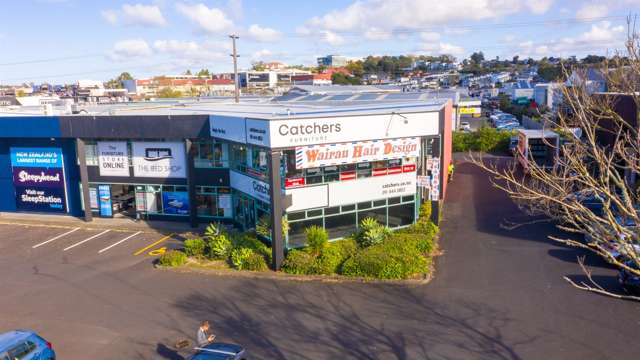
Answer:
x=167 y=353
x=571 y=255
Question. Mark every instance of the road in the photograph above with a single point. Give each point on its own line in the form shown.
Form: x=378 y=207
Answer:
x=497 y=294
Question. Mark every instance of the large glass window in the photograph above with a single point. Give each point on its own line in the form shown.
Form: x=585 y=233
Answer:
x=379 y=214
x=339 y=226
x=296 y=231
x=401 y=215
x=213 y=201
x=211 y=154
x=91 y=153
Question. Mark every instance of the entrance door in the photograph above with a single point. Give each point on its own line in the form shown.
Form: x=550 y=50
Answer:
x=245 y=212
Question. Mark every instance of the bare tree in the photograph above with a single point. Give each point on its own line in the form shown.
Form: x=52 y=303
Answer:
x=601 y=165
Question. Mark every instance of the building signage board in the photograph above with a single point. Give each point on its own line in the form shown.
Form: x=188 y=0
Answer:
x=250 y=186
x=159 y=159
x=258 y=132
x=355 y=152
x=104 y=198
x=113 y=158
x=38 y=179
x=227 y=127
x=176 y=203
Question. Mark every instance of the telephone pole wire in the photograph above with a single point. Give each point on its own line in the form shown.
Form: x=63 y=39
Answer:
x=235 y=67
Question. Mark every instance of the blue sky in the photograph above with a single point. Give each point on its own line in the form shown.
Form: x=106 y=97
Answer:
x=65 y=40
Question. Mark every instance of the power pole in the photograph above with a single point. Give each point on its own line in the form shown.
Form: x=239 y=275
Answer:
x=235 y=67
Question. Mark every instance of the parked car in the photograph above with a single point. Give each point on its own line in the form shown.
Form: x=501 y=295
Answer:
x=629 y=281
x=513 y=144
x=25 y=345
x=465 y=126
x=220 y=351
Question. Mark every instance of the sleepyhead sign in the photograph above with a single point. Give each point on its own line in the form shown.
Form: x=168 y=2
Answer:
x=349 y=153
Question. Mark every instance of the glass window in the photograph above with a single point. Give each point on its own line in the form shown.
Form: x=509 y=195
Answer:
x=364 y=205
x=346 y=208
x=379 y=214
x=395 y=200
x=332 y=210
x=313 y=176
x=364 y=170
x=340 y=225
x=239 y=157
x=401 y=215
x=347 y=167
x=314 y=213
x=296 y=216
x=297 y=237
x=91 y=154
x=290 y=165
x=408 y=198
x=394 y=162
x=379 y=203
x=331 y=173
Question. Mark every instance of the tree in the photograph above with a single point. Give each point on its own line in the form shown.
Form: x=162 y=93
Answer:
x=204 y=73
x=477 y=57
x=116 y=83
x=168 y=92
x=356 y=68
x=599 y=167
x=341 y=79
x=258 y=66
x=515 y=60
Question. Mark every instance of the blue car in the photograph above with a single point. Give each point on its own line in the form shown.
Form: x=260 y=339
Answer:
x=629 y=281
x=220 y=351
x=25 y=345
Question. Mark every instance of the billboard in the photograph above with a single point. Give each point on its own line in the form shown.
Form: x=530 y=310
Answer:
x=104 y=199
x=38 y=179
x=159 y=159
x=248 y=185
x=176 y=203
x=355 y=152
x=113 y=158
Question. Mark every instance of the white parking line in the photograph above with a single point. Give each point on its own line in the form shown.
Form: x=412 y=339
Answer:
x=85 y=240
x=55 y=238
x=119 y=242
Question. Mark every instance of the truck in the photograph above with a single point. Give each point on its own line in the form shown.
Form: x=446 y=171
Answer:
x=541 y=146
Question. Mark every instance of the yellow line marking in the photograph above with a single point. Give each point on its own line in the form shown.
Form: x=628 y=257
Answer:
x=158 y=252
x=154 y=244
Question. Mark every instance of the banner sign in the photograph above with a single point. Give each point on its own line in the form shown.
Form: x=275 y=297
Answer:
x=159 y=159
x=113 y=158
x=355 y=152
x=38 y=179
x=104 y=199
x=176 y=203
x=248 y=185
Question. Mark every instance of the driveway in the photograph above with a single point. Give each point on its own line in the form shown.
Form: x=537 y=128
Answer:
x=497 y=294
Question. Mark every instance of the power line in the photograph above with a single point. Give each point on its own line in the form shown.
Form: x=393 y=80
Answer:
x=75 y=57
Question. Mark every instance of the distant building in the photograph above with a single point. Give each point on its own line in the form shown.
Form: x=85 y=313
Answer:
x=548 y=95
x=333 y=61
x=593 y=80
x=518 y=90
x=187 y=85
x=275 y=65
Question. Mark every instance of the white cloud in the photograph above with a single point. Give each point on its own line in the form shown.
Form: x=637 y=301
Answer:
x=602 y=32
x=375 y=33
x=131 y=48
x=442 y=48
x=261 y=55
x=430 y=36
x=208 y=20
x=332 y=38
x=590 y=11
x=175 y=46
x=191 y=51
x=136 y=14
x=538 y=6
x=235 y=9
x=264 y=34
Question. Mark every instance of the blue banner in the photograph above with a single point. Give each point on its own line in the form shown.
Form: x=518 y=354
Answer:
x=38 y=179
x=176 y=203
x=37 y=157
x=104 y=200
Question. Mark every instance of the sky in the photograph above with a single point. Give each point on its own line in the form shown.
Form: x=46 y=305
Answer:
x=61 y=41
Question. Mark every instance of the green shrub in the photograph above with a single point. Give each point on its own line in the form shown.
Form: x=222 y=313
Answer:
x=334 y=255
x=263 y=226
x=254 y=262
x=424 y=214
x=250 y=241
x=173 y=258
x=212 y=230
x=486 y=139
x=395 y=258
x=299 y=262
x=240 y=256
x=371 y=232
x=317 y=238
x=219 y=247
x=194 y=247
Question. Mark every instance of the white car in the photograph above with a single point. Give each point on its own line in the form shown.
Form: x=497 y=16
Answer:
x=465 y=126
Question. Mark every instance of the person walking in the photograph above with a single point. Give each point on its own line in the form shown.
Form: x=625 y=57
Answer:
x=203 y=338
x=451 y=169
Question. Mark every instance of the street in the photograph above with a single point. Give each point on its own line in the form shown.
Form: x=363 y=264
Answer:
x=497 y=294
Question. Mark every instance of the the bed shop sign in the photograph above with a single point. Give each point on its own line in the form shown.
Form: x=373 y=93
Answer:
x=113 y=158
x=159 y=159
x=38 y=179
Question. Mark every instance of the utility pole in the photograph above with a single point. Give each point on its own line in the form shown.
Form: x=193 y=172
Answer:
x=235 y=67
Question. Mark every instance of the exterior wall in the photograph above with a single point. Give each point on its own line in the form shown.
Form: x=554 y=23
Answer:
x=447 y=137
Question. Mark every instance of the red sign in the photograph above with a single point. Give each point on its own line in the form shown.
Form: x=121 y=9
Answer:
x=409 y=168
x=348 y=175
x=379 y=172
x=293 y=182
x=395 y=170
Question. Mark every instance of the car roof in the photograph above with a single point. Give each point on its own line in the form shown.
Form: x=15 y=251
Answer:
x=10 y=338
x=218 y=351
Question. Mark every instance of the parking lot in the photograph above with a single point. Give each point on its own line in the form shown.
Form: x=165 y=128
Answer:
x=497 y=294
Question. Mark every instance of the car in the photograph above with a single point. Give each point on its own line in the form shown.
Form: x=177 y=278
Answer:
x=629 y=281
x=465 y=126
x=220 y=351
x=513 y=144
x=25 y=345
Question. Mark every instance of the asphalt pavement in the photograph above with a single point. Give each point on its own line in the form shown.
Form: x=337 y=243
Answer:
x=497 y=294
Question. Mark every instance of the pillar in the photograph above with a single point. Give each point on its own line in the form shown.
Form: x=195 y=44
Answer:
x=277 y=209
x=191 y=184
x=84 y=179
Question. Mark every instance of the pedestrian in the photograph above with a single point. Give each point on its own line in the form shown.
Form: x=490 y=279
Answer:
x=451 y=169
x=203 y=338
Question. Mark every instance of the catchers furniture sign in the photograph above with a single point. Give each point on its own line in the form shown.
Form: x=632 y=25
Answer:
x=355 y=152
x=38 y=179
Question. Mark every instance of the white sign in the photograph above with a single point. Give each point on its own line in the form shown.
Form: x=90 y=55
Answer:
x=308 y=197
x=113 y=158
x=379 y=187
x=355 y=152
x=159 y=159
x=250 y=186
x=227 y=127
x=424 y=181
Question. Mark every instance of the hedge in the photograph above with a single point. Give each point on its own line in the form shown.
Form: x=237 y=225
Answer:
x=173 y=258
x=486 y=139
x=194 y=247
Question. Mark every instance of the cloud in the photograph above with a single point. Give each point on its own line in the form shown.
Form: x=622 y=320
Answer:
x=261 y=55
x=263 y=34
x=207 y=20
x=132 y=48
x=136 y=14
x=190 y=51
x=332 y=38
x=375 y=33
x=442 y=48
x=590 y=11
x=235 y=9
x=175 y=46
x=430 y=36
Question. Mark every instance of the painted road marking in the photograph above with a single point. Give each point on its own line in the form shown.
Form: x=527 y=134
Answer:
x=154 y=244
x=85 y=240
x=119 y=242
x=158 y=252
x=55 y=238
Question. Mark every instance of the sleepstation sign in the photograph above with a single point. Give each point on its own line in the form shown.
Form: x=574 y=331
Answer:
x=38 y=179
x=159 y=159
x=113 y=158
x=250 y=186
x=354 y=152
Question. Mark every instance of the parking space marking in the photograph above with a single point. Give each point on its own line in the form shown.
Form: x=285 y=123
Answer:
x=55 y=238
x=119 y=242
x=154 y=244
x=85 y=240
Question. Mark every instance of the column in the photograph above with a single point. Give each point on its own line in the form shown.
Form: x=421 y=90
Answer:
x=277 y=210
x=191 y=184
x=84 y=179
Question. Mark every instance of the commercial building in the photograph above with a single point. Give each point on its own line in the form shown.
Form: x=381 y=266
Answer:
x=548 y=95
x=333 y=61
x=330 y=165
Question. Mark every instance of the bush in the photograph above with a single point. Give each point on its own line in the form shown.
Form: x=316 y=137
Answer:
x=371 y=232
x=219 y=247
x=173 y=258
x=254 y=262
x=334 y=255
x=240 y=256
x=424 y=214
x=392 y=259
x=299 y=262
x=486 y=139
x=194 y=247
x=317 y=238
x=250 y=241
